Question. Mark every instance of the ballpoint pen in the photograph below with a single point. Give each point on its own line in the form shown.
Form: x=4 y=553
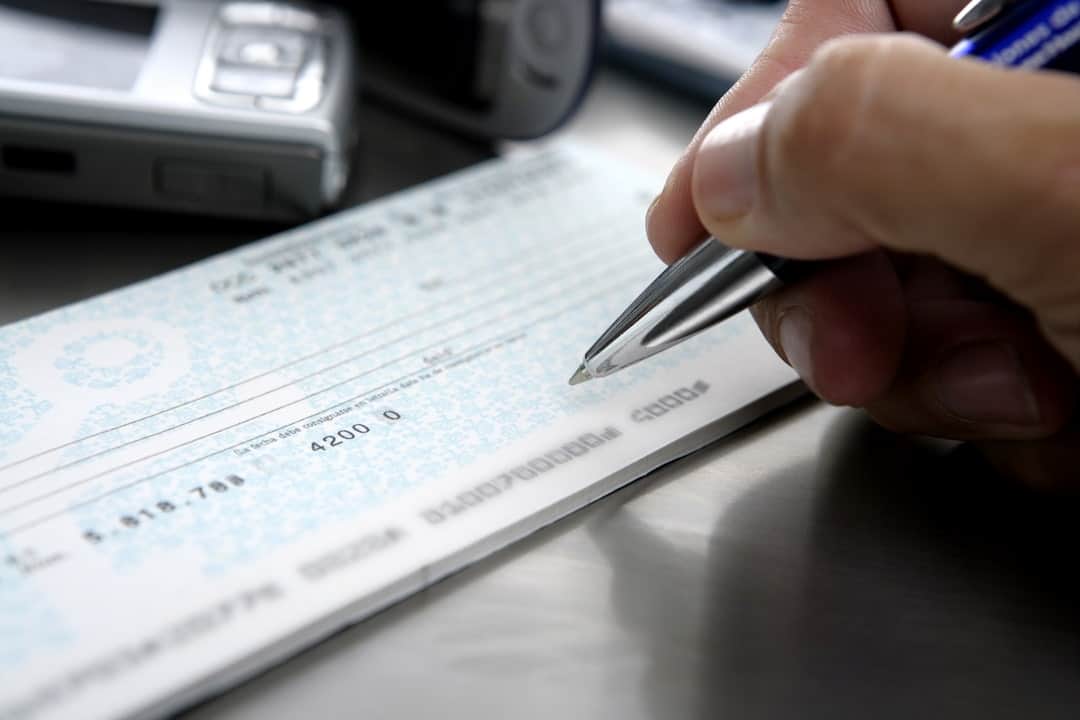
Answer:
x=714 y=282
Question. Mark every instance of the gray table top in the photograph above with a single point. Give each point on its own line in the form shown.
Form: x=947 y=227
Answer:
x=809 y=566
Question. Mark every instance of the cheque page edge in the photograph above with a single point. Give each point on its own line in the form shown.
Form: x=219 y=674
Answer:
x=305 y=638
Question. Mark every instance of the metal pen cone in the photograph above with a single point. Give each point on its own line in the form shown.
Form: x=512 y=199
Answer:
x=580 y=375
x=709 y=284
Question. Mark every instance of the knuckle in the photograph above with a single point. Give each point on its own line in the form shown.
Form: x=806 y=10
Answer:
x=827 y=137
x=1044 y=276
x=827 y=125
x=814 y=122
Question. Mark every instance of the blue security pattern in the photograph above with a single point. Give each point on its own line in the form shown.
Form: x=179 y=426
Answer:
x=549 y=209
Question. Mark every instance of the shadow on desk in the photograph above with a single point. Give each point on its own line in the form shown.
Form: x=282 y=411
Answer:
x=888 y=580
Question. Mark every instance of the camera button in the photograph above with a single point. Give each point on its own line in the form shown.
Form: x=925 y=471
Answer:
x=260 y=52
x=264 y=48
x=254 y=81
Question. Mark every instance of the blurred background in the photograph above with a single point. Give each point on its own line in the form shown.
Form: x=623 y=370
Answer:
x=812 y=565
x=140 y=135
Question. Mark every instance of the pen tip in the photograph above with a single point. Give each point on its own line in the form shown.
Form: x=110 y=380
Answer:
x=580 y=375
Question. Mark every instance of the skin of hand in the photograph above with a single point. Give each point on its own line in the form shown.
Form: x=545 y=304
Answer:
x=946 y=194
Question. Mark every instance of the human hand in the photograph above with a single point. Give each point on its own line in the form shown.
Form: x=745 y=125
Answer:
x=948 y=192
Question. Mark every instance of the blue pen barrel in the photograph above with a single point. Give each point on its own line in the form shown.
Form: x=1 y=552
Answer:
x=1032 y=34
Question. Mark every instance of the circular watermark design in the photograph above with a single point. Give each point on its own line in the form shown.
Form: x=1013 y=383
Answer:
x=107 y=359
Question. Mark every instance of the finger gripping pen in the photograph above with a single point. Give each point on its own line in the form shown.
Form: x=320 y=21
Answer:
x=713 y=282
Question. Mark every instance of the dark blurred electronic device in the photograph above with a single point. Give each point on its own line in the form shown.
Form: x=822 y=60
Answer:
x=488 y=68
x=246 y=108
x=700 y=46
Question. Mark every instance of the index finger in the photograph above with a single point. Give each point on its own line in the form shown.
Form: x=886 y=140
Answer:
x=672 y=223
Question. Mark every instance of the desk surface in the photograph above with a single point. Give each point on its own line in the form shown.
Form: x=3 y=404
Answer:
x=810 y=566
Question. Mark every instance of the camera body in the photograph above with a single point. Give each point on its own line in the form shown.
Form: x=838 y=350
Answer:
x=247 y=108
x=227 y=108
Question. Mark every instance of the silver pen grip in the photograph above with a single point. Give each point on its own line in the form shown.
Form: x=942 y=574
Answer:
x=705 y=287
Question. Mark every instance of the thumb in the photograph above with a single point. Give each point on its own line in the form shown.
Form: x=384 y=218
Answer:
x=885 y=141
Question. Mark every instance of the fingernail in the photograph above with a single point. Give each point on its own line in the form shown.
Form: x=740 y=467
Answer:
x=654 y=232
x=985 y=383
x=795 y=333
x=649 y=210
x=725 y=169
